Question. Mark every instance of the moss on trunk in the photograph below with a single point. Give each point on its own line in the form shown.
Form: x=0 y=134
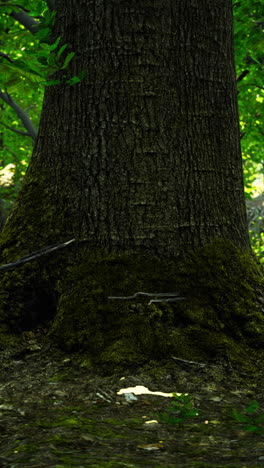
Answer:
x=222 y=315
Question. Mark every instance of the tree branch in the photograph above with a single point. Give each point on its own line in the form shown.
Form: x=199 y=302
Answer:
x=22 y=115
x=24 y=18
x=242 y=75
x=37 y=254
x=14 y=130
x=190 y=362
x=252 y=84
x=256 y=86
x=6 y=57
x=167 y=297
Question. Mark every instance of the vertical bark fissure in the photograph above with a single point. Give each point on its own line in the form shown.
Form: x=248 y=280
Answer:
x=144 y=152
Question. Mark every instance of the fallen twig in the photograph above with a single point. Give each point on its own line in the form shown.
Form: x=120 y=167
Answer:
x=170 y=299
x=190 y=362
x=37 y=254
x=167 y=297
x=201 y=364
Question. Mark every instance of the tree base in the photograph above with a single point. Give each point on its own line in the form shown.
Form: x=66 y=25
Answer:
x=220 y=317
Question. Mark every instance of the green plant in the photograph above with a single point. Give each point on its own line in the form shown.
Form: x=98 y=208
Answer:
x=181 y=409
x=251 y=418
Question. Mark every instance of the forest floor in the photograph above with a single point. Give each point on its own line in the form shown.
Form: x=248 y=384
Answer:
x=54 y=412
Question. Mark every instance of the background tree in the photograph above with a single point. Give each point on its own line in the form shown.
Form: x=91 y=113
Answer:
x=140 y=163
x=27 y=56
x=249 y=41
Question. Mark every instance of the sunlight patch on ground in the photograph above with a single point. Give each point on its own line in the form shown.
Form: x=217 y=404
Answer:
x=141 y=390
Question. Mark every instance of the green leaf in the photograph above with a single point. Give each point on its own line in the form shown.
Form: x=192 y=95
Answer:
x=239 y=416
x=74 y=80
x=55 y=45
x=67 y=60
x=44 y=46
x=252 y=407
x=61 y=51
x=52 y=82
x=43 y=34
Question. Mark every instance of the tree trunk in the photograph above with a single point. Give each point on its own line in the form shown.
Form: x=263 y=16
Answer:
x=141 y=160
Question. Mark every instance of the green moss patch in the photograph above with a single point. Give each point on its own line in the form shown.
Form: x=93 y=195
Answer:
x=220 y=317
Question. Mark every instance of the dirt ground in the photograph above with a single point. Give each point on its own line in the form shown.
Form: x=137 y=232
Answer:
x=56 y=412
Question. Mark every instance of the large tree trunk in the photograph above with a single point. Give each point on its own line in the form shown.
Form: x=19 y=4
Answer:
x=142 y=156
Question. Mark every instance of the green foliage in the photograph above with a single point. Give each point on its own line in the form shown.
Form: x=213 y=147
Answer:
x=21 y=76
x=28 y=63
x=76 y=79
x=251 y=419
x=181 y=410
x=257 y=243
x=249 y=51
x=255 y=214
x=29 y=66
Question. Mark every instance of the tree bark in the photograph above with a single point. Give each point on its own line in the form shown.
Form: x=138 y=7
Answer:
x=144 y=154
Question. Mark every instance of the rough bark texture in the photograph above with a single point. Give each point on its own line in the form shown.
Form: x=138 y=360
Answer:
x=142 y=155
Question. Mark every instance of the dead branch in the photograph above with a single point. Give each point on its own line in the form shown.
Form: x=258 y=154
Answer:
x=190 y=362
x=37 y=254
x=167 y=297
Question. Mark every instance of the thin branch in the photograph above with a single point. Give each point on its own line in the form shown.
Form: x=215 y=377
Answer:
x=201 y=364
x=39 y=253
x=252 y=84
x=6 y=57
x=168 y=297
x=242 y=75
x=143 y=294
x=26 y=20
x=190 y=362
x=256 y=86
x=16 y=131
x=172 y=299
x=21 y=114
